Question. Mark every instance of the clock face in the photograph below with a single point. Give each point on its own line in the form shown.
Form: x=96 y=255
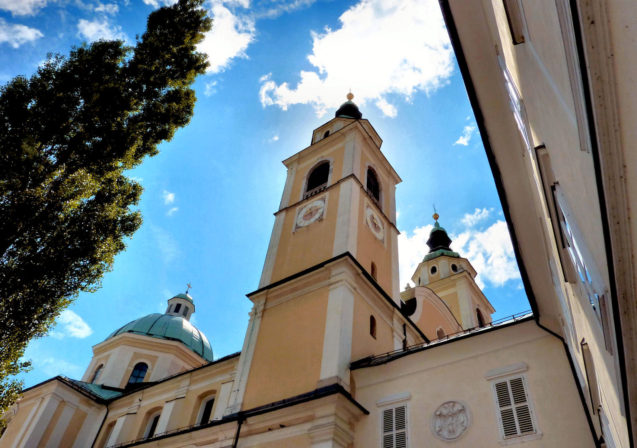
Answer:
x=375 y=223
x=310 y=213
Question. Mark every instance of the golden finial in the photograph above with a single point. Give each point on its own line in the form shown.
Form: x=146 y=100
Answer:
x=350 y=96
x=435 y=215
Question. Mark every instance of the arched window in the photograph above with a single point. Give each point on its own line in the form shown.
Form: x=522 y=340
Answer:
x=206 y=410
x=440 y=333
x=151 y=426
x=374 y=273
x=372 y=326
x=317 y=180
x=480 y=318
x=373 y=187
x=97 y=373
x=327 y=133
x=139 y=372
x=177 y=307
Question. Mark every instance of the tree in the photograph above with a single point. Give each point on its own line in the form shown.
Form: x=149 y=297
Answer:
x=67 y=136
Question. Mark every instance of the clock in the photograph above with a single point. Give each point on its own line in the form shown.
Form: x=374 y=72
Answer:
x=310 y=212
x=375 y=223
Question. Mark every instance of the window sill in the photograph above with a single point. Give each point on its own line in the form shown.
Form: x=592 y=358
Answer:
x=521 y=439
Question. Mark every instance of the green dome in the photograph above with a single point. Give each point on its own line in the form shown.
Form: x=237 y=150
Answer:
x=169 y=327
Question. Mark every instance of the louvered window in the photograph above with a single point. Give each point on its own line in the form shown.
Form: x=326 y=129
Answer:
x=514 y=407
x=395 y=427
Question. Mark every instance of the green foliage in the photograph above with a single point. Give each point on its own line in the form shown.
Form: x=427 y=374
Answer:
x=67 y=135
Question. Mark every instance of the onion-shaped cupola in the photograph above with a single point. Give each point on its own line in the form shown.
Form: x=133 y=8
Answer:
x=439 y=242
x=348 y=109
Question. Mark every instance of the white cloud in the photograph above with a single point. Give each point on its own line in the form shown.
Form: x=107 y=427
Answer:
x=158 y=3
x=99 y=29
x=228 y=39
x=172 y=211
x=169 y=197
x=22 y=7
x=467 y=133
x=278 y=8
x=275 y=138
x=70 y=324
x=54 y=366
x=471 y=219
x=211 y=88
x=411 y=251
x=489 y=251
x=16 y=35
x=381 y=48
x=108 y=8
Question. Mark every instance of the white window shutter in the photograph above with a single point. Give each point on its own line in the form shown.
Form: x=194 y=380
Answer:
x=514 y=408
x=395 y=427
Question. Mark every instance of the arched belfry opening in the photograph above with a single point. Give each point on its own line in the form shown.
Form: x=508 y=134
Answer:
x=373 y=186
x=317 y=180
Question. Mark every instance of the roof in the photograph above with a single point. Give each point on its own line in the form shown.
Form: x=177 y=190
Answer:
x=100 y=391
x=169 y=327
x=185 y=297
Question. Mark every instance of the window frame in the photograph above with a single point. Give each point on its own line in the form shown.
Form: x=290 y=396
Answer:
x=133 y=371
x=305 y=193
x=97 y=372
x=202 y=405
x=393 y=406
x=379 y=200
x=150 y=422
x=519 y=437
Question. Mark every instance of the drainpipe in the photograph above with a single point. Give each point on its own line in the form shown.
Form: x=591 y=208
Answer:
x=236 y=436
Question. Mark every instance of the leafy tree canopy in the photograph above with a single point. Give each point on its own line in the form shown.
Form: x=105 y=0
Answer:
x=67 y=135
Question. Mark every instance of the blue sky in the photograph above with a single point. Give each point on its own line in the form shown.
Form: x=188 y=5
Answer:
x=279 y=69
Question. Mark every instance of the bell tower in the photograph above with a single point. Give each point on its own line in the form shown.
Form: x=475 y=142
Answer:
x=339 y=197
x=329 y=289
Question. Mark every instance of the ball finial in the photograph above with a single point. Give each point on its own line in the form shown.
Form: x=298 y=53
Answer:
x=436 y=216
x=350 y=96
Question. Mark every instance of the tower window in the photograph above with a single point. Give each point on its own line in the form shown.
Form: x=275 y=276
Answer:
x=480 y=318
x=206 y=411
x=97 y=373
x=440 y=333
x=372 y=326
x=317 y=180
x=373 y=187
x=138 y=374
x=433 y=270
x=185 y=312
x=454 y=267
x=374 y=273
x=177 y=307
x=327 y=133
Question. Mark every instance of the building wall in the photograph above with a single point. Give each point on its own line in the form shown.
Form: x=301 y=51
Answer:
x=456 y=371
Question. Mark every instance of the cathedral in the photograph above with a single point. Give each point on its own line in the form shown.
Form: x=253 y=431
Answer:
x=335 y=354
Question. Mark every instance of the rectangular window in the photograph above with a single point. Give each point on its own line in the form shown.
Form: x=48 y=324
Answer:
x=591 y=376
x=514 y=408
x=517 y=105
x=395 y=427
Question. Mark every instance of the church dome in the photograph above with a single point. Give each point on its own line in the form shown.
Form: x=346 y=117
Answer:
x=348 y=109
x=169 y=327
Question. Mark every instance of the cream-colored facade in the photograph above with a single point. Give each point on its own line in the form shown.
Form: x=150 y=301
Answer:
x=335 y=355
x=553 y=86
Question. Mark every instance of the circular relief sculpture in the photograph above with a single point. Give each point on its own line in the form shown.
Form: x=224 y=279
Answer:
x=450 y=420
x=310 y=213
x=374 y=223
